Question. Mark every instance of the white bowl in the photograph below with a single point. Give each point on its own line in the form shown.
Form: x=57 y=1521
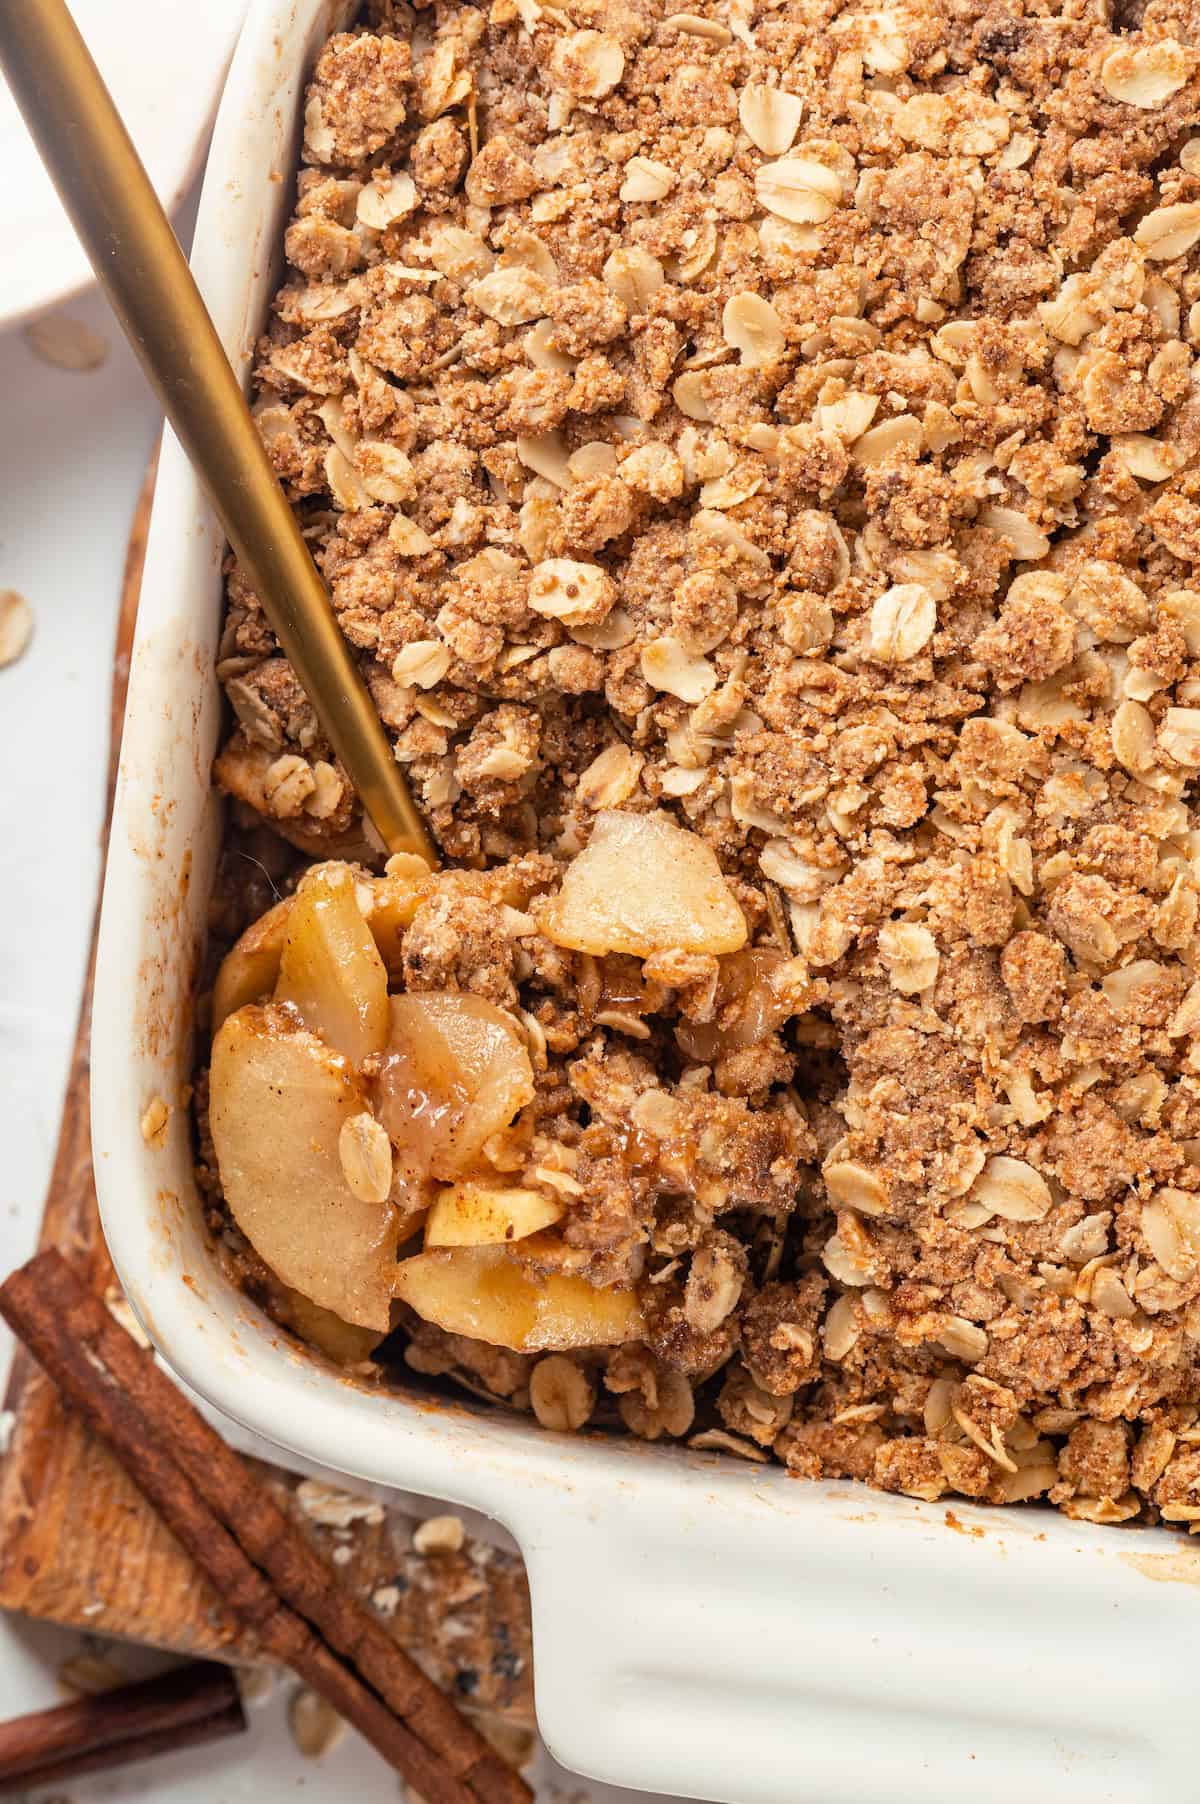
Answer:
x=701 y=1627
x=164 y=65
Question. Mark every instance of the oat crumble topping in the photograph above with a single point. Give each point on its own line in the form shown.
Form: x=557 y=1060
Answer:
x=775 y=425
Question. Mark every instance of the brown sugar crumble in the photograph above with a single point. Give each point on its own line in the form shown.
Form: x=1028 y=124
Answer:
x=779 y=422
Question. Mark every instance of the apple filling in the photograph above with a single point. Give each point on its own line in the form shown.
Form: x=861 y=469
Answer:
x=352 y=1111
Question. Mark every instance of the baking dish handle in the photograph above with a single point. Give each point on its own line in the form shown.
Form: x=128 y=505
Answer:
x=786 y=1643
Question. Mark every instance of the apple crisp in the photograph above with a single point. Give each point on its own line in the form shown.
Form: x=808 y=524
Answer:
x=753 y=454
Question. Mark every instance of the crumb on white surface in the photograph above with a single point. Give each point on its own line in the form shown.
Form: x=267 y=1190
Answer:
x=332 y=1508
x=315 y=1725
x=66 y=343
x=439 y=1534
x=16 y=625
x=156 y=1116
x=386 y=1599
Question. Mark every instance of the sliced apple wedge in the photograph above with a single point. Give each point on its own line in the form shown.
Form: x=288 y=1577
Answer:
x=250 y=970
x=279 y=1100
x=395 y=899
x=473 y=1215
x=342 y=1341
x=455 y=1072
x=330 y=970
x=643 y=885
x=486 y=1293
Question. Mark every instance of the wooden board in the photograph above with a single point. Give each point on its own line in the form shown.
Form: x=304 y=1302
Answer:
x=78 y=1545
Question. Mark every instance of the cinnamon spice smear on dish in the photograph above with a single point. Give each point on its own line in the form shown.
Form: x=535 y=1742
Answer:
x=753 y=453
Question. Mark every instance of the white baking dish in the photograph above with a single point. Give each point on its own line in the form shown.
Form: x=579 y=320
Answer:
x=702 y=1627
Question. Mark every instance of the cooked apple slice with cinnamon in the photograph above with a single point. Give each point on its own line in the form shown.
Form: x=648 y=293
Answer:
x=279 y=1099
x=486 y=1293
x=455 y=1072
x=471 y=1215
x=643 y=885
x=747 y=1008
x=394 y=900
x=250 y=970
x=330 y=970
x=573 y=1313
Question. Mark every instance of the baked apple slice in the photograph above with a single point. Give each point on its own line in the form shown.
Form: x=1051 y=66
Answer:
x=644 y=885
x=454 y=1073
x=341 y=1341
x=330 y=970
x=487 y=1293
x=279 y=1099
x=250 y=970
x=471 y=1215
x=394 y=900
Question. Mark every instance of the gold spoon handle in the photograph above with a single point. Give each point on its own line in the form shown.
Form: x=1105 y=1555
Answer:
x=136 y=256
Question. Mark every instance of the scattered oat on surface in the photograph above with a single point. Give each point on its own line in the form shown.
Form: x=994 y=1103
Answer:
x=155 y=1118
x=16 y=626
x=91 y=1675
x=386 y=1600
x=68 y=344
x=315 y=1726
x=439 y=1534
x=332 y=1508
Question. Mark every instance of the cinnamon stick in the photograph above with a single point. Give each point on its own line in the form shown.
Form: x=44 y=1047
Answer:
x=164 y=1445
x=181 y=1709
x=32 y=1302
x=273 y=1542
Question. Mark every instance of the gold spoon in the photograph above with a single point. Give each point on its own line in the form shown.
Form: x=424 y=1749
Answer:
x=136 y=256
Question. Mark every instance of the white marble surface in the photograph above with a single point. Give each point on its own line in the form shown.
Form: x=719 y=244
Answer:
x=75 y=449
